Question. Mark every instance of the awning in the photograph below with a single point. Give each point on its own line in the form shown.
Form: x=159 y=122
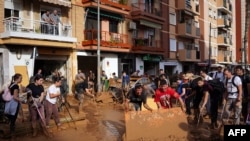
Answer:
x=150 y=24
x=217 y=65
x=106 y=14
x=66 y=3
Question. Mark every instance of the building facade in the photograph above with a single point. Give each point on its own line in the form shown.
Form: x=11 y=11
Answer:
x=28 y=43
x=242 y=31
x=146 y=35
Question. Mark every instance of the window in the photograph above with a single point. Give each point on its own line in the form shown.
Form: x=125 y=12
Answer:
x=172 y=45
x=113 y=26
x=214 y=33
x=215 y=15
x=91 y=24
x=210 y=13
x=214 y=51
x=180 y=45
x=172 y=18
x=196 y=23
x=10 y=12
x=197 y=47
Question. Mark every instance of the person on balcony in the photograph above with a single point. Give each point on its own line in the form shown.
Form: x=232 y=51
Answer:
x=55 y=20
x=45 y=24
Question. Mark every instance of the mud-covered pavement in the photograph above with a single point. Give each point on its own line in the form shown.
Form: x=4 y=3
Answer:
x=104 y=121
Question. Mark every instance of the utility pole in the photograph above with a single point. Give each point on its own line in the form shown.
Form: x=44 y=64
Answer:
x=98 y=49
x=210 y=48
x=245 y=36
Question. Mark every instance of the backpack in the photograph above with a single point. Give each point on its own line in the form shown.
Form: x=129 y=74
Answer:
x=233 y=82
x=217 y=86
x=6 y=94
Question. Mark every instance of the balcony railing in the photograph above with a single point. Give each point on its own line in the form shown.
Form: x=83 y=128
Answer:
x=223 y=21
x=188 y=29
x=224 y=5
x=223 y=40
x=141 y=6
x=108 y=39
x=145 y=44
x=188 y=5
x=190 y=55
x=123 y=4
x=15 y=26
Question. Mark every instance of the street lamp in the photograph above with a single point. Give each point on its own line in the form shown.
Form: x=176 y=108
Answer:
x=98 y=47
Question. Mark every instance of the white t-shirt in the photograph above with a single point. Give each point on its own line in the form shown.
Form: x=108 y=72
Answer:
x=231 y=89
x=207 y=77
x=52 y=90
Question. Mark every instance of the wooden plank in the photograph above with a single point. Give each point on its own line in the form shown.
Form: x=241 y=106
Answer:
x=23 y=70
x=166 y=124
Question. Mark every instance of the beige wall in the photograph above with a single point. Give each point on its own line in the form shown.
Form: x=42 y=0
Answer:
x=1 y=14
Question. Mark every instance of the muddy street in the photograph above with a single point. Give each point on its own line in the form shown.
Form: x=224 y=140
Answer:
x=105 y=121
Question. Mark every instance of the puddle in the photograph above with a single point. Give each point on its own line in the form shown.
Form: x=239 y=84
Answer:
x=108 y=125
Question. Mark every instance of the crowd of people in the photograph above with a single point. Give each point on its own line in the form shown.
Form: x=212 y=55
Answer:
x=201 y=96
x=41 y=103
x=196 y=95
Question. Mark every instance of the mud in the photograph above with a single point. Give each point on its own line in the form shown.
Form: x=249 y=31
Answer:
x=105 y=121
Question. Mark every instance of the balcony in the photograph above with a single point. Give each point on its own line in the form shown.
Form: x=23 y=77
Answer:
x=222 y=57
x=223 y=41
x=223 y=22
x=224 y=6
x=15 y=27
x=142 y=44
x=188 y=30
x=189 y=6
x=118 y=6
x=140 y=11
x=189 y=55
x=108 y=40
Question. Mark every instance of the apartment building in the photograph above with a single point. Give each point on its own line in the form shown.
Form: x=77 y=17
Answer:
x=217 y=46
x=130 y=34
x=241 y=31
x=184 y=35
x=27 y=43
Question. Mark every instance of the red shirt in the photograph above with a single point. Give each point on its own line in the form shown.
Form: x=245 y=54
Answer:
x=161 y=96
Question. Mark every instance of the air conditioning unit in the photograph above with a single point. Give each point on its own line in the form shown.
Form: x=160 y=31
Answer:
x=131 y=25
x=197 y=2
